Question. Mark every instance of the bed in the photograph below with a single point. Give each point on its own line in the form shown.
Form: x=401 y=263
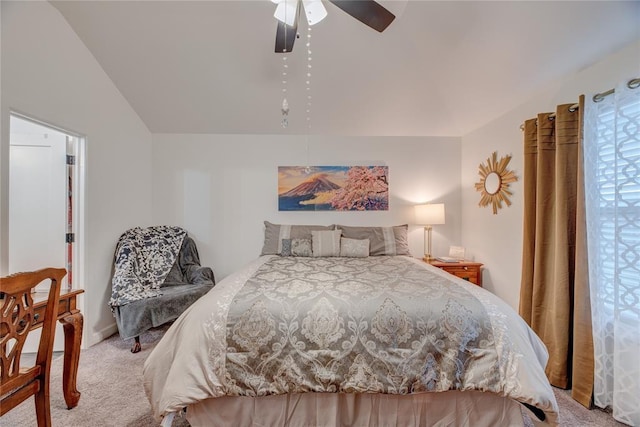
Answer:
x=349 y=338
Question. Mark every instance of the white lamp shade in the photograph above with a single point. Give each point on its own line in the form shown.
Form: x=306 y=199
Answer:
x=314 y=10
x=286 y=11
x=430 y=214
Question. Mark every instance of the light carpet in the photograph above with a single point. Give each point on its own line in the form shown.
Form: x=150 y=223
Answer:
x=110 y=383
x=110 y=380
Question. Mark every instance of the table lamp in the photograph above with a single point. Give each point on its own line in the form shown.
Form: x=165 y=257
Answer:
x=429 y=214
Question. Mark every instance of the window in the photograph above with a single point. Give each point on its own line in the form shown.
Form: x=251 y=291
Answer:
x=612 y=176
x=612 y=194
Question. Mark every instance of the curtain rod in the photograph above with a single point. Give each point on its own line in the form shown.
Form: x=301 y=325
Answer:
x=552 y=116
x=631 y=84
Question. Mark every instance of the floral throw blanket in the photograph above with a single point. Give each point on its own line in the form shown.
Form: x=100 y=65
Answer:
x=144 y=257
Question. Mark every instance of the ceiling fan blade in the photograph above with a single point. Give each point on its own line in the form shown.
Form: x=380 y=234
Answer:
x=286 y=35
x=368 y=12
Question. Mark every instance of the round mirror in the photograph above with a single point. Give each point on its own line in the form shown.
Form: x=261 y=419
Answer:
x=492 y=183
x=495 y=178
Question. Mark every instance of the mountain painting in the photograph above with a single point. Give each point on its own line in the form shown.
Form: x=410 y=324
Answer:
x=333 y=188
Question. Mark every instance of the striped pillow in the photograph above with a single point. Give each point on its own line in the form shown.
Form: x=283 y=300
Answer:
x=326 y=243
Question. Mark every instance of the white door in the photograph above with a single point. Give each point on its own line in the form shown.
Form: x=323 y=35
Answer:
x=37 y=203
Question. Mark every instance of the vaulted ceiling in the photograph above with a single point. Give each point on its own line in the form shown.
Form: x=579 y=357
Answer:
x=441 y=68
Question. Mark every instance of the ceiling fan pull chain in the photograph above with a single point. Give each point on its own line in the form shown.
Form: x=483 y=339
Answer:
x=307 y=170
x=308 y=79
x=285 y=103
x=285 y=66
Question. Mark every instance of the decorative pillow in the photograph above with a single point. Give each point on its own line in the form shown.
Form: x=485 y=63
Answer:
x=286 y=247
x=274 y=233
x=354 y=248
x=326 y=243
x=382 y=240
x=301 y=247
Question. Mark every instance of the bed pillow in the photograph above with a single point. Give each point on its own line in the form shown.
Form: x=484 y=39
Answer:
x=382 y=240
x=301 y=247
x=286 y=247
x=274 y=233
x=354 y=248
x=326 y=243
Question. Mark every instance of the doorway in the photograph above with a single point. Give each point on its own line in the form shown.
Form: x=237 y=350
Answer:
x=44 y=202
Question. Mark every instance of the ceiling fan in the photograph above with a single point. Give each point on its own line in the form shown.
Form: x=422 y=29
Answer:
x=369 y=12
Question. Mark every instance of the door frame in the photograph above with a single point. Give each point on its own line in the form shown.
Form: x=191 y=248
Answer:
x=78 y=203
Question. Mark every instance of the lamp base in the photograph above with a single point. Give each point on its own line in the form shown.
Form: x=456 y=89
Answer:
x=428 y=258
x=427 y=243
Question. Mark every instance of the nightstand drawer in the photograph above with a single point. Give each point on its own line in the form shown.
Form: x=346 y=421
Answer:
x=470 y=271
x=468 y=274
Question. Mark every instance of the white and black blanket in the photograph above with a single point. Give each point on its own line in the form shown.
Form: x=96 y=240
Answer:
x=144 y=257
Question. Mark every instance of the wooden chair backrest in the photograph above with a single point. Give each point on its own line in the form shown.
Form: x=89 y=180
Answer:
x=17 y=319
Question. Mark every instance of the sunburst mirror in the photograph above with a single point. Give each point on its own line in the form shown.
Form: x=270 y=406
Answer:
x=494 y=182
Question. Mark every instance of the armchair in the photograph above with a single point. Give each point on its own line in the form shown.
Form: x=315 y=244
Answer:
x=157 y=276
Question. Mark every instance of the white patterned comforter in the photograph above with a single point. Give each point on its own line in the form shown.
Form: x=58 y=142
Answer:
x=351 y=325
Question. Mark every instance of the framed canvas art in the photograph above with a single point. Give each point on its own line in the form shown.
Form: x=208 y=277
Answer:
x=333 y=188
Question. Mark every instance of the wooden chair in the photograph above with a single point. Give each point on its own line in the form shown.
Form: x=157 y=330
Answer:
x=17 y=318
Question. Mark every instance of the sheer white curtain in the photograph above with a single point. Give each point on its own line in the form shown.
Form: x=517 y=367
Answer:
x=612 y=183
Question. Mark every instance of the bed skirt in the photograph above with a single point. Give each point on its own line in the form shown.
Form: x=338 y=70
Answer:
x=453 y=408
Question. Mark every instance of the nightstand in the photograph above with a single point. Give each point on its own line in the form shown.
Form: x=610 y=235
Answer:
x=467 y=270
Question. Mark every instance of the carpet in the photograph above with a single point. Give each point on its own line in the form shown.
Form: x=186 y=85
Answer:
x=110 y=380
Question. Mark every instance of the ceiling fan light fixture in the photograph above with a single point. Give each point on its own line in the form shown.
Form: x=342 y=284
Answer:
x=314 y=10
x=286 y=11
x=369 y=12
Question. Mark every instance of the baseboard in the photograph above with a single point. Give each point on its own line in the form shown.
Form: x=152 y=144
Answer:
x=101 y=335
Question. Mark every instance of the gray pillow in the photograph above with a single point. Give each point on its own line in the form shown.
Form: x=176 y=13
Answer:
x=354 y=248
x=382 y=240
x=286 y=247
x=301 y=247
x=274 y=233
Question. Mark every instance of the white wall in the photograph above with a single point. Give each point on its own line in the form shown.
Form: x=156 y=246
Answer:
x=48 y=73
x=496 y=240
x=222 y=187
